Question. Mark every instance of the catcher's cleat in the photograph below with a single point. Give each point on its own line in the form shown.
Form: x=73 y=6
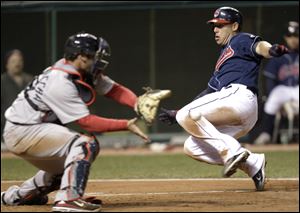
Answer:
x=79 y=205
x=29 y=200
x=260 y=177
x=232 y=164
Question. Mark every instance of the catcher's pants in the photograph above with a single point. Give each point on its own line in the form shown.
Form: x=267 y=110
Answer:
x=51 y=148
x=215 y=121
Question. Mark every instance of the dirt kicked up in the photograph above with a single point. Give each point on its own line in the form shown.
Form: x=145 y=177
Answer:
x=184 y=195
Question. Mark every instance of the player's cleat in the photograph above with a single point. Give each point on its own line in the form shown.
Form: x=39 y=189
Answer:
x=42 y=200
x=78 y=205
x=2 y=199
x=232 y=164
x=260 y=177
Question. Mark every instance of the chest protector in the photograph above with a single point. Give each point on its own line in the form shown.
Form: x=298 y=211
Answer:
x=84 y=86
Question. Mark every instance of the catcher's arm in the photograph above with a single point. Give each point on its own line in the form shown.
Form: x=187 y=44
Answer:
x=122 y=95
x=94 y=123
x=147 y=104
x=136 y=130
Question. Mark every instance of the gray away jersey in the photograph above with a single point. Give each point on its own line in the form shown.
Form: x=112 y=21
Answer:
x=53 y=92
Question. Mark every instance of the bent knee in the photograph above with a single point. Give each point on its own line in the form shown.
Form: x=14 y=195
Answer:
x=182 y=116
x=89 y=146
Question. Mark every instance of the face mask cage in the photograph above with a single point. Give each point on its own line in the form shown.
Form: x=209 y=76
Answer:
x=101 y=57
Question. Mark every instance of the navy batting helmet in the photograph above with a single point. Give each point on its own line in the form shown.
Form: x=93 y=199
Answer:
x=292 y=29
x=227 y=15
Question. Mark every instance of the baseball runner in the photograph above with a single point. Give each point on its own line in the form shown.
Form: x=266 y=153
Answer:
x=227 y=109
x=282 y=81
x=35 y=127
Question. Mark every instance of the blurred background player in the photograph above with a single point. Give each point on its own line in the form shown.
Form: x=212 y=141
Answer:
x=282 y=82
x=227 y=109
x=35 y=128
x=13 y=80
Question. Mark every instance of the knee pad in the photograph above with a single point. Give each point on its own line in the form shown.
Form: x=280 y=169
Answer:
x=90 y=148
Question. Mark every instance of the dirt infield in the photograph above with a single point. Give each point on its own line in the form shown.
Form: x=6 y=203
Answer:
x=194 y=195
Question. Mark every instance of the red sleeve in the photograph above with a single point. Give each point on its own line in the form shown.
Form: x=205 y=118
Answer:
x=122 y=95
x=93 y=123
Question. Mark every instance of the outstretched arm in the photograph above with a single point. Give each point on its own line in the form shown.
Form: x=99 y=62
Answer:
x=122 y=95
x=94 y=123
x=267 y=50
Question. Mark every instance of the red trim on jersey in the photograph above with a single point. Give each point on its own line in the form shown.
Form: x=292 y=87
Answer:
x=122 y=95
x=229 y=52
x=94 y=123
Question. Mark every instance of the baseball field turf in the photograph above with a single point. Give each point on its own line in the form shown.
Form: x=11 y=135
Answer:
x=158 y=165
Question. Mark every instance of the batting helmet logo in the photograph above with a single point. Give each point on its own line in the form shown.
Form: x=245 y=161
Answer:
x=217 y=12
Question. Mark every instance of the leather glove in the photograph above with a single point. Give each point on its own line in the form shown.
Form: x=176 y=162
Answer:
x=168 y=116
x=148 y=103
x=278 y=50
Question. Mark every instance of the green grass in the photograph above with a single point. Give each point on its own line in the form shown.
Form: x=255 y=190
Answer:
x=280 y=164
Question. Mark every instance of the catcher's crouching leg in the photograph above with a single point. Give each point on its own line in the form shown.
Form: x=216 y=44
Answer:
x=34 y=191
x=77 y=167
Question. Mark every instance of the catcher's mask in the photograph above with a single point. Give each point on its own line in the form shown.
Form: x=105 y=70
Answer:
x=101 y=56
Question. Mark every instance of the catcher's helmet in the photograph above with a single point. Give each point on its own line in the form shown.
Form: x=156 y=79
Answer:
x=227 y=15
x=90 y=46
x=81 y=44
x=292 y=29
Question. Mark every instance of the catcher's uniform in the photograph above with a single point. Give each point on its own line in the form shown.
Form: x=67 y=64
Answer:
x=217 y=119
x=32 y=132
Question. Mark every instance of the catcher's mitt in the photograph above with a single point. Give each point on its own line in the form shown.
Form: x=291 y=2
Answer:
x=148 y=103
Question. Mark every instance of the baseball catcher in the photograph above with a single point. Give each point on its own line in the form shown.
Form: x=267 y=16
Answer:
x=147 y=104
